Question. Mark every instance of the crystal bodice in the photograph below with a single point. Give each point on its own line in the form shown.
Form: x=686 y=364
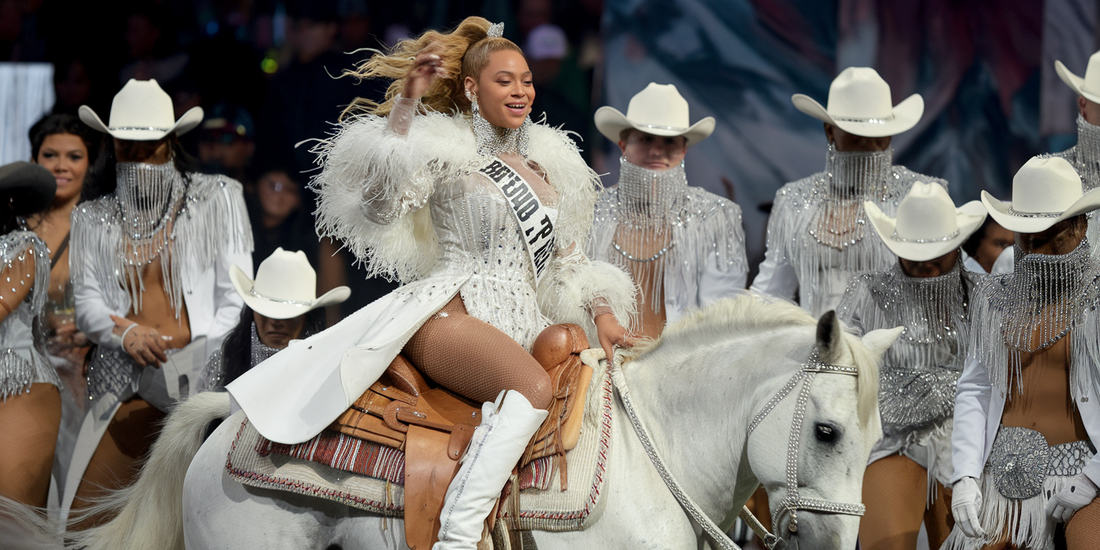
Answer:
x=478 y=235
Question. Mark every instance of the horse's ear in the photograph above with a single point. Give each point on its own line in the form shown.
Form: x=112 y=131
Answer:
x=828 y=337
x=879 y=340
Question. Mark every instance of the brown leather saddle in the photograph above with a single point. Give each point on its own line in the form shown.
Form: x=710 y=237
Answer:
x=433 y=426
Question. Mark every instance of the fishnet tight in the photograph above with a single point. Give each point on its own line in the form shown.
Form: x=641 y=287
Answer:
x=469 y=356
x=895 y=493
x=1083 y=529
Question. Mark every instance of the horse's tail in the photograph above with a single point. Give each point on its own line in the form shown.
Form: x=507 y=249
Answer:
x=149 y=513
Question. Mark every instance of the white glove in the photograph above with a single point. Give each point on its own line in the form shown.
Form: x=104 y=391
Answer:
x=1079 y=492
x=966 y=500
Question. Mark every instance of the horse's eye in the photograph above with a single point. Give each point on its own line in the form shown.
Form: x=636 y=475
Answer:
x=825 y=433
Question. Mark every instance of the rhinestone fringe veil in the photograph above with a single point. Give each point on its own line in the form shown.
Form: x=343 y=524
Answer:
x=196 y=219
x=819 y=227
x=1046 y=298
x=652 y=224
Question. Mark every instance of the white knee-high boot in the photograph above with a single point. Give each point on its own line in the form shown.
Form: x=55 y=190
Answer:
x=497 y=445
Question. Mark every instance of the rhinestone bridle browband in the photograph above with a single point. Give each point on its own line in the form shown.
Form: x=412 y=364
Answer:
x=792 y=502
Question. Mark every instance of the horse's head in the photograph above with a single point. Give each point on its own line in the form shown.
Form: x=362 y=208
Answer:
x=811 y=449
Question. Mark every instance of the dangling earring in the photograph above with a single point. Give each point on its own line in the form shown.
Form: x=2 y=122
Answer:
x=473 y=101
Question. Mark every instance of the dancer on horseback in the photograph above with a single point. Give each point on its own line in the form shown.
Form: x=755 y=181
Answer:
x=448 y=187
x=684 y=246
x=928 y=293
x=1027 y=412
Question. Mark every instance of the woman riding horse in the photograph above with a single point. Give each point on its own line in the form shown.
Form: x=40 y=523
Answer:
x=448 y=187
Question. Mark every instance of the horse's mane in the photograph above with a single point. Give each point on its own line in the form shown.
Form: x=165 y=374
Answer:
x=748 y=314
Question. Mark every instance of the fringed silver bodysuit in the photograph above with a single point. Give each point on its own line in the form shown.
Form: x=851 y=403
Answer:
x=819 y=229
x=920 y=370
x=654 y=224
x=154 y=215
x=22 y=359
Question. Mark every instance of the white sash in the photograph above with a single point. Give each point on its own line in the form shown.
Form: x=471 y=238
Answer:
x=534 y=221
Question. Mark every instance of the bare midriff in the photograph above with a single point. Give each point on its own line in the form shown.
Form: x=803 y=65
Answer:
x=157 y=311
x=653 y=322
x=1045 y=404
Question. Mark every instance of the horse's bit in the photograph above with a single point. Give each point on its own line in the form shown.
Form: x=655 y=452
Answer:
x=791 y=503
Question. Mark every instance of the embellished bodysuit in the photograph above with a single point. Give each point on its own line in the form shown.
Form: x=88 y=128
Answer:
x=22 y=361
x=921 y=369
x=1033 y=347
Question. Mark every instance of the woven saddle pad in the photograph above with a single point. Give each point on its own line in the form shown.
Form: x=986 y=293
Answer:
x=254 y=461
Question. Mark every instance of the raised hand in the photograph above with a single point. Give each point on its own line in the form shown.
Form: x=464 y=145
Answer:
x=427 y=66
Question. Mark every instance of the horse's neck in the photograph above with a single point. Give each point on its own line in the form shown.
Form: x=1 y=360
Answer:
x=697 y=407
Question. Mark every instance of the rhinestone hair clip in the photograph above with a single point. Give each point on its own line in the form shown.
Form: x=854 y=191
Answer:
x=496 y=30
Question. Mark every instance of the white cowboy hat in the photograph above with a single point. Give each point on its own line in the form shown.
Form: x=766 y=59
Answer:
x=1089 y=87
x=660 y=110
x=141 y=111
x=1044 y=192
x=928 y=224
x=859 y=103
x=285 y=286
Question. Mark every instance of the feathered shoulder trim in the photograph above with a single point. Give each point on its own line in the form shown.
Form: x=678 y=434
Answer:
x=374 y=184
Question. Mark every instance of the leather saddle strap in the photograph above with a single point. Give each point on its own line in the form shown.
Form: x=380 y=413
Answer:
x=428 y=472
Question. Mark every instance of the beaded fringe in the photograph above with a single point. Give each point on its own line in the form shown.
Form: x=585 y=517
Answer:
x=1025 y=521
x=211 y=219
x=19 y=372
x=1029 y=310
x=920 y=370
x=663 y=232
x=818 y=224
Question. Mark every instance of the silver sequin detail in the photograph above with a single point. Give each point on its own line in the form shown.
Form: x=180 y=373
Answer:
x=818 y=225
x=663 y=232
x=1021 y=460
x=920 y=371
x=22 y=350
x=116 y=235
x=1031 y=309
x=494 y=140
x=112 y=372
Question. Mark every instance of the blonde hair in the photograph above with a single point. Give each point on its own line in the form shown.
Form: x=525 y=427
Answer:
x=464 y=52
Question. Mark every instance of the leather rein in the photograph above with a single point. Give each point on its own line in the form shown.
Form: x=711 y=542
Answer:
x=792 y=502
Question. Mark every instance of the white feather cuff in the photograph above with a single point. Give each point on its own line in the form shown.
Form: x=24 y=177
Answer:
x=577 y=282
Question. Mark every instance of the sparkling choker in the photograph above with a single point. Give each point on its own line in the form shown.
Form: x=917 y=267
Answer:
x=494 y=140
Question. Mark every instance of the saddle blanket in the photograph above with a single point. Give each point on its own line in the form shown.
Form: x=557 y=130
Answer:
x=368 y=476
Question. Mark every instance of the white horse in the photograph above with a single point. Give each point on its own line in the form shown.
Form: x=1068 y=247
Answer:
x=697 y=390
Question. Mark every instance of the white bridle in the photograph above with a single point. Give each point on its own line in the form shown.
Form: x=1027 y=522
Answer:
x=792 y=502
